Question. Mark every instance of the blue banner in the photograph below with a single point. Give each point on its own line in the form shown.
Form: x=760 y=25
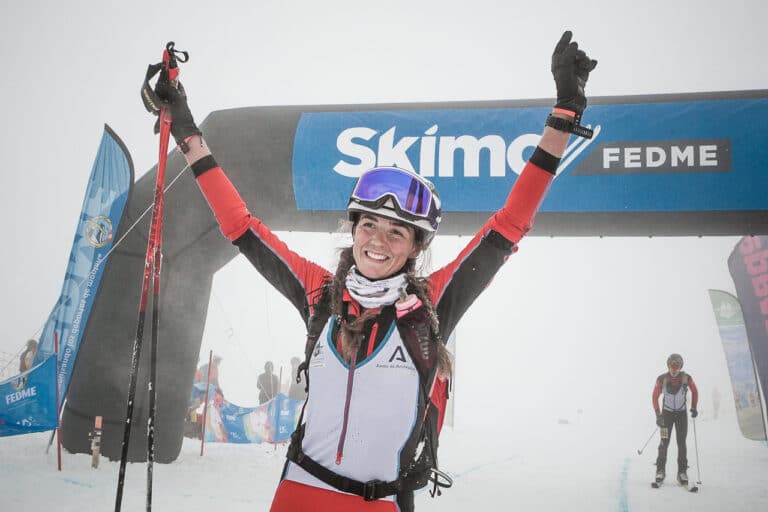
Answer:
x=28 y=400
x=645 y=157
x=271 y=422
x=741 y=367
x=105 y=200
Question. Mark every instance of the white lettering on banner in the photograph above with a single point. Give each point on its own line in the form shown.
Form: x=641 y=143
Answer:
x=471 y=148
x=442 y=150
x=345 y=143
x=708 y=155
x=21 y=395
x=392 y=152
x=632 y=157
x=636 y=157
x=427 y=153
x=684 y=156
x=655 y=156
x=72 y=338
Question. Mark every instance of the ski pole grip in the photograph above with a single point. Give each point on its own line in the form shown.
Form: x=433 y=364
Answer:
x=171 y=58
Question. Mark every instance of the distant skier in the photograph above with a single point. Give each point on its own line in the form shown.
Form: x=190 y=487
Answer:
x=674 y=386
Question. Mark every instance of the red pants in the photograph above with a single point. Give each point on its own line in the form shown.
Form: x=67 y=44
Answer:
x=296 y=497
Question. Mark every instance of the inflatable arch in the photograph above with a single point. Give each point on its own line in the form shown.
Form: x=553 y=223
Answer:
x=661 y=165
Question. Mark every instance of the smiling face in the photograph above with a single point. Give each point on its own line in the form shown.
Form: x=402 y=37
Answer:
x=381 y=246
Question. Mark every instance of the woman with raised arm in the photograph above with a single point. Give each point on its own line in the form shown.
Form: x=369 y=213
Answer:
x=376 y=364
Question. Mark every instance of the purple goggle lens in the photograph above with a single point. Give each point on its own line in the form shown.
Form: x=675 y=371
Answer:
x=412 y=194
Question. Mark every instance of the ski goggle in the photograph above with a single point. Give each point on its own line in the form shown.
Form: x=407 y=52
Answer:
x=412 y=196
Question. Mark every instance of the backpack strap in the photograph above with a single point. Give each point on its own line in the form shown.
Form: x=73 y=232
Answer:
x=422 y=470
x=370 y=490
x=321 y=312
x=373 y=489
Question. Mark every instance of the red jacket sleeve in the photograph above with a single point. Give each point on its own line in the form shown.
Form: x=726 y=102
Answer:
x=294 y=276
x=516 y=218
x=512 y=221
x=655 y=397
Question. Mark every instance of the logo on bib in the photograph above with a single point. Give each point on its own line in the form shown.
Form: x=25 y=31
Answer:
x=398 y=355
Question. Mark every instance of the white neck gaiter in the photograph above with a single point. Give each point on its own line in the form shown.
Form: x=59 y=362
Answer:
x=373 y=294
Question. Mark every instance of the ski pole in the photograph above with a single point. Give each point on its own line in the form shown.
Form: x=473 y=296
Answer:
x=640 y=451
x=696 y=444
x=151 y=269
x=171 y=67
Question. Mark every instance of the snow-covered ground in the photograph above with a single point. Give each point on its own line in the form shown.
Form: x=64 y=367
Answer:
x=589 y=463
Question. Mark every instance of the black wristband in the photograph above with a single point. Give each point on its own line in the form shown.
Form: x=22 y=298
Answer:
x=564 y=125
x=544 y=160
x=559 y=123
x=203 y=165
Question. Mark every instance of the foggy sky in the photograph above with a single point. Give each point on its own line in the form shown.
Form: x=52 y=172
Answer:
x=71 y=67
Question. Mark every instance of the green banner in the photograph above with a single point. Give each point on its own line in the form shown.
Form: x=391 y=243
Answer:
x=746 y=394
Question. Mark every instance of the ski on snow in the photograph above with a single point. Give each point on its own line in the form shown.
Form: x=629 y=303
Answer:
x=657 y=484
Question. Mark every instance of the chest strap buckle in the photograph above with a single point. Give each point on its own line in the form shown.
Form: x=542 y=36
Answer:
x=369 y=489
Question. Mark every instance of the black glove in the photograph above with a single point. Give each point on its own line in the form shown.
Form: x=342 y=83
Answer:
x=660 y=420
x=174 y=98
x=694 y=412
x=570 y=68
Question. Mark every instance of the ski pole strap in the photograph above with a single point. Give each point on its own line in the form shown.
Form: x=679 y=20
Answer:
x=151 y=100
x=437 y=484
x=171 y=58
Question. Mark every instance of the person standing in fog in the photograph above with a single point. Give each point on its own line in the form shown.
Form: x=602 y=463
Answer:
x=267 y=383
x=674 y=386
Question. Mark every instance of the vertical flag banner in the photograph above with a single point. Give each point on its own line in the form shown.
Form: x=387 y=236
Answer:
x=741 y=368
x=28 y=400
x=105 y=199
x=748 y=265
